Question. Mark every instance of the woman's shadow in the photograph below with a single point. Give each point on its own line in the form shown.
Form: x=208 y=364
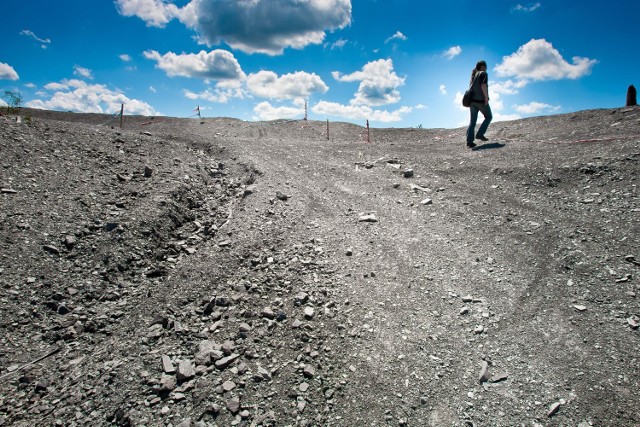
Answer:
x=488 y=146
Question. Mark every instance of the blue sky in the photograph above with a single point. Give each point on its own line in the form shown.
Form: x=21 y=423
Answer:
x=396 y=63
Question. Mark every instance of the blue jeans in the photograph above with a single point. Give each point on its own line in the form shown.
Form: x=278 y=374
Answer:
x=486 y=112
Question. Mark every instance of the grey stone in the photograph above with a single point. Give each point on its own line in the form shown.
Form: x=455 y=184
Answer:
x=368 y=218
x=226 y=361
x=228 y=347
x=186 y=370
x=233 y=405
x=484 y=372
x=309 y=313
x=268 y=313
x=168 y=383
x=309 y=371
x=167 y=365
x=499 y=377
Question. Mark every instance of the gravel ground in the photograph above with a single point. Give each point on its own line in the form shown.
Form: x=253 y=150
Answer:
x=214 y=272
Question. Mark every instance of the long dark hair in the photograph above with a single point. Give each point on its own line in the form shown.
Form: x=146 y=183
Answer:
x=479 y=64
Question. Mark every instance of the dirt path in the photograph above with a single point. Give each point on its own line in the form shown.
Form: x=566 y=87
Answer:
x=499 y=227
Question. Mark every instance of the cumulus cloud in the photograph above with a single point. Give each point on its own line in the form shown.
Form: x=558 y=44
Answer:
x=267 y=84
x=378 y=83
x=216 y=65
x=443 y=89
x=359 y=112
x=125 y=58
x=452 y=52
x=536 y=107
x=397 y=36
x=31 y=34
x=79 y=96
x=539 y=60
x=527 y=8
x=221 y=93
x=253 y=26
x=508 y=87
x=266 y=111
x=82 y=72
x=156 y=13
x=7 y=72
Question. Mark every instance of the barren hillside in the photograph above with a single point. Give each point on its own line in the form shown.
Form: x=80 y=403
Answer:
x=180 y=272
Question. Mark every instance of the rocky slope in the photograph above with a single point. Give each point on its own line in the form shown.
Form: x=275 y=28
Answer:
x=217 y=272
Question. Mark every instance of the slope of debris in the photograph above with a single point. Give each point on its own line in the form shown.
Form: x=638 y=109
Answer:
x=214 y=272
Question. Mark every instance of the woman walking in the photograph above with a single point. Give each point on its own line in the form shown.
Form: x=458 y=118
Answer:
x=479 y=103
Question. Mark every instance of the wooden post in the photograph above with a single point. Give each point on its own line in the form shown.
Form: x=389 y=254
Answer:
x=327 y=129
x=368 y=140
x=121 y=114
x=305 y=110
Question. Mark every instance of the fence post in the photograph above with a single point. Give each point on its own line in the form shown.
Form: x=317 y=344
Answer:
x=121 y=114
x=368 y=140
x=327 y=129
x=305 y=110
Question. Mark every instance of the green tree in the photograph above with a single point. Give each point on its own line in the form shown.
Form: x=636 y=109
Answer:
x=14 y=101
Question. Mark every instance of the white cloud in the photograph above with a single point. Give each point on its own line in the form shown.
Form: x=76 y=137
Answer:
x=156 y=13
x=378 y=83
x=539 y=60
x=359 y=112
x=452 y=52
x=252 y=26
x=397 y=36
x=7 y=72
x=443 y=89
x=79 y=96
x=266 y=111
x=536 y=107
x=267 y=84
x=30 y=85
x=217 y=64
x=508 y=87
x=125 y=58
x=152 y=89
x=3 y=103
x=57 y=86
x=31 y=34
x=338 y=44
x=526 y=9
x=222 y=93
x=82 y=72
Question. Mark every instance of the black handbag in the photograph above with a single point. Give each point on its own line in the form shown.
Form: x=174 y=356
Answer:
x=466 y=98
x=468 y=95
